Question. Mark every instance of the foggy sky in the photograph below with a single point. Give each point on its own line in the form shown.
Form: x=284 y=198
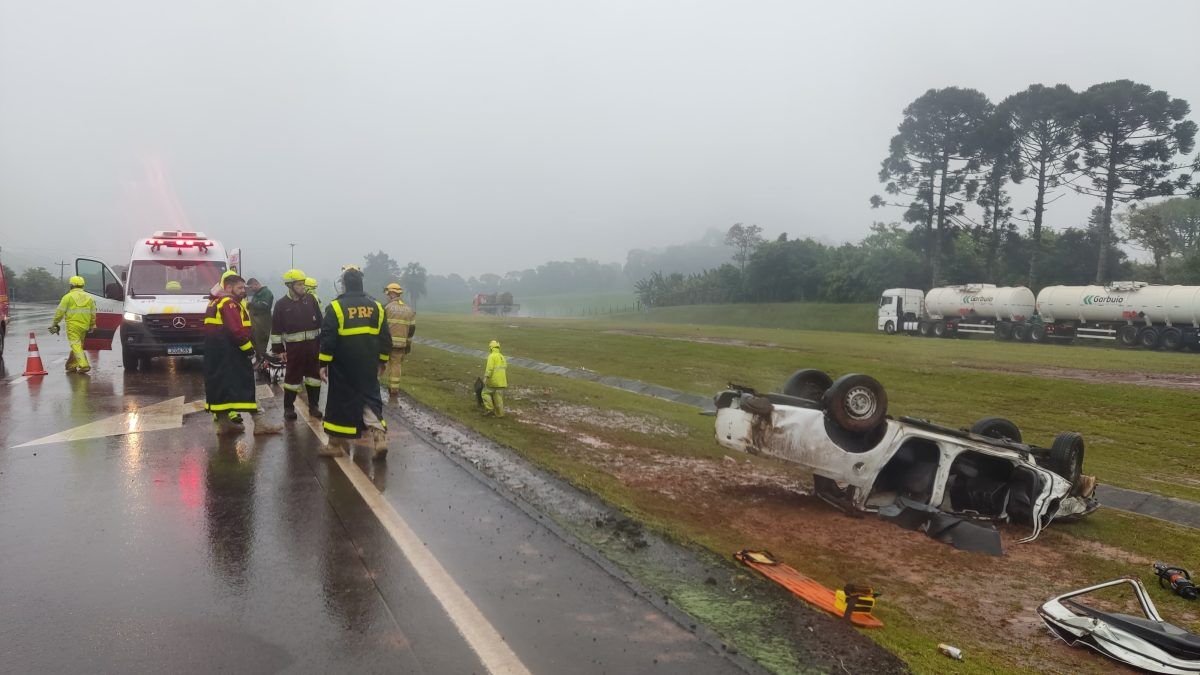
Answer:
x=488 y=136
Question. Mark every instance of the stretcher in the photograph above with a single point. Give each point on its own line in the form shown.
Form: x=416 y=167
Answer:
x=859 y=601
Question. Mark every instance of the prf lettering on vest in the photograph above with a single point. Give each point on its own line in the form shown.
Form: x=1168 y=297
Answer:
x=360 y=312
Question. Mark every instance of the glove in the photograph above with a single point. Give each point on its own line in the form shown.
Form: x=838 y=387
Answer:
x=54 y=329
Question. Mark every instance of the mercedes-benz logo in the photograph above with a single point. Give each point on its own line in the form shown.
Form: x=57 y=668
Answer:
x=179 y=322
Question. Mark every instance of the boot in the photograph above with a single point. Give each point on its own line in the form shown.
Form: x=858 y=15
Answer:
x=263 y=428
x=314 y=402
x=336 y=447
x=379 y=444
x=289 y=405
x=394 y=397
x=227 y=425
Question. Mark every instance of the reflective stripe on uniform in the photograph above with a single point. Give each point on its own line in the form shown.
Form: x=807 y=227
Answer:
x=276 y=339
x=247 y=347
x=325 y=357
x=218 y=320
x=292 y=387
x=362 y=330
x=301 y=336
x=312 y=381
x=337 y=428
x=231 y=406
x=385 y=357
x=80 y=310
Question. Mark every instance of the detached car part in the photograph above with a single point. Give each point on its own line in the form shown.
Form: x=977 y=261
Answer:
x=924 y=475
x=1147 y=642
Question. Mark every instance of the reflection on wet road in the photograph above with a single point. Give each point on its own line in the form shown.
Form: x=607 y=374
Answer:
x=132 y=540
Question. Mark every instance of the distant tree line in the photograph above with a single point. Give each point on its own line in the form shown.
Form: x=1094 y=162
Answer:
x=35 y=284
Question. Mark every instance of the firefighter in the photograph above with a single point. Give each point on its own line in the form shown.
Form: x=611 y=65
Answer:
x=295 y=328
x=79 y=309
x=228 y=368
x=259 y=302
x=311 y=284
x=402 y=323
x=495 y=381
x=354 y=349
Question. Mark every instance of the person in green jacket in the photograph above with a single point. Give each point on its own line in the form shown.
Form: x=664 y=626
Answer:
x=259 y=302
x=495 y=381
x=79 y=309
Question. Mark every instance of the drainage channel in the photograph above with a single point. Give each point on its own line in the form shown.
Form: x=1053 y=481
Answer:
x=1171 y=509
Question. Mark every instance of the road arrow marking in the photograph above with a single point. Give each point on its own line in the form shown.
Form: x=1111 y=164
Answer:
x=166 y=414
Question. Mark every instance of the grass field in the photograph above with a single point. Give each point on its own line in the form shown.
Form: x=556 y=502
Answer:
x=659 y=463
x=852 y=318
x=563 y=305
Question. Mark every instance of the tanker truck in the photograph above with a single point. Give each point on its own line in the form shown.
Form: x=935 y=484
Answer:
x=1130 y=313
x=949 y=311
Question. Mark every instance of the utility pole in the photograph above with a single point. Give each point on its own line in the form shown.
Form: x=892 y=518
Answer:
x=61 y=266
x=293 y=255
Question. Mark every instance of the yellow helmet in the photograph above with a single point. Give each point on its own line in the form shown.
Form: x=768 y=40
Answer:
x=393 y=288
x=310 y=283
x=292 y=276
x=76 y=282
x=230 y=274
x=174 y=286
x=493 y=345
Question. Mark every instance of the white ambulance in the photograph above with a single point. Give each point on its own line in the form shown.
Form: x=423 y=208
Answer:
x=160 y=307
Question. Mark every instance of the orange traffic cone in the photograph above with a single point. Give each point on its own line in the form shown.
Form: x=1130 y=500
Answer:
x=33 y=365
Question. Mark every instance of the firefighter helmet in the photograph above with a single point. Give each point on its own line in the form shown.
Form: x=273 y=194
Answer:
x=493 y=345
x=292 y=276
x=76 y=282
x=394 y=288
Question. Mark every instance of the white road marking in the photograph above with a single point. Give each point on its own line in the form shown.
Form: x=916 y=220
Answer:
x=155 y=417
x=482 y=637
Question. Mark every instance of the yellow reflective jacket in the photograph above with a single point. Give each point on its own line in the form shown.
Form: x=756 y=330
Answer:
x=495 y=376
x=402 y=322
x=79 y=309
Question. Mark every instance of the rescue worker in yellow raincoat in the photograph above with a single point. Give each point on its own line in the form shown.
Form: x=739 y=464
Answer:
x=402 y=322
x=311 y=284
x=495 y=381
x=79 y=309
x=295 y=328
x=355 y=346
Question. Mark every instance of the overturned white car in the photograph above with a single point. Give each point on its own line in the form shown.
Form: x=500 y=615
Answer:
x=951 y=483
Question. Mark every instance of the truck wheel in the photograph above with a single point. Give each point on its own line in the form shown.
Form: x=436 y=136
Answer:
x=856 y=403
x=1037 y=332
x=129 y=358
x=1149 y=338
x=940 y=329
x=1004 y=330
x=889 y=328
x=1128 y=336
x=1066 y=456
x=808 y=383
x=1020 y=332
x=1172 y=339
x=997 y=427
x=925 y=329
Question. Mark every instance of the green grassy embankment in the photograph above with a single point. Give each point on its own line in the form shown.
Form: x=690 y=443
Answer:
x=825 y=316
x=658 y=463
x=563 y=305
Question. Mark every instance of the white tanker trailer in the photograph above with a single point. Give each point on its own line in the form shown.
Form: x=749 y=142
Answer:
x=1131 y=313
x=982 y=309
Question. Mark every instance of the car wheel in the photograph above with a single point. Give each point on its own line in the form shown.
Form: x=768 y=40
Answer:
x=856 y=403
x=925 y=329
x=889 y=328
x=1128 y=336
x=1066 y=456
x=808 y=383
x=1149 y=338
x=1020 y=332
x=939 y=329
x=1172 y=339
x=129 y=358
x=1037 y=332
x=1004 y=331
x=997 y=427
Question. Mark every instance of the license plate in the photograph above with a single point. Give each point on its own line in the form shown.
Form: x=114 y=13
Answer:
x=179 y=351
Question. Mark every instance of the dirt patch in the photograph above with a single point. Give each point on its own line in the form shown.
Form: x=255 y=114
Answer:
x=1184 y=381
x=728 y=342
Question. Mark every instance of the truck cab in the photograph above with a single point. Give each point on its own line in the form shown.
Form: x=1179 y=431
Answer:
x=900 y=305
x=167 y=289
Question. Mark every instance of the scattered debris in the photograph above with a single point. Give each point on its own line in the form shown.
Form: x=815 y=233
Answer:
x=952 y=652
x=857 y=601
x=1148 y=642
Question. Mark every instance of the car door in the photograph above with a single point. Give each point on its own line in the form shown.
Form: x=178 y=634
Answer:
x=104 y=286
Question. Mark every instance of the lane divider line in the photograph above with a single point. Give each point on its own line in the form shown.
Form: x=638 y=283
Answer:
x=481 y=636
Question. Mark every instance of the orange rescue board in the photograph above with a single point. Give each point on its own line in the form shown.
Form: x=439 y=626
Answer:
x=803 y=587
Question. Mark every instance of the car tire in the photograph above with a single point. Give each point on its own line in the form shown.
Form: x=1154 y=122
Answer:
x=1004 y=330
x=808 y=383
x=940 y=329
x=856 y=403
x=1149 y=338
x=925 y=329
x=1066 y=456
x=129 y=358
x=1020 y=332
x=889 y=328
x=997 y=427
x=1037 y=332
x=1128 y=336
x=1172 y=339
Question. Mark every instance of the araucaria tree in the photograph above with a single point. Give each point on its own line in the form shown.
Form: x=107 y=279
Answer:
x=1000 y=163
x=932 y=157
x=1132 y=137
x=1043 y=124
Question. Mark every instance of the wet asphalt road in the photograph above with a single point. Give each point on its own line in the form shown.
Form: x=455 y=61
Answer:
x=167 y=550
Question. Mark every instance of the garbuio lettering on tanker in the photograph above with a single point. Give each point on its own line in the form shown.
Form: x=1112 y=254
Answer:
x=1102 y=300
